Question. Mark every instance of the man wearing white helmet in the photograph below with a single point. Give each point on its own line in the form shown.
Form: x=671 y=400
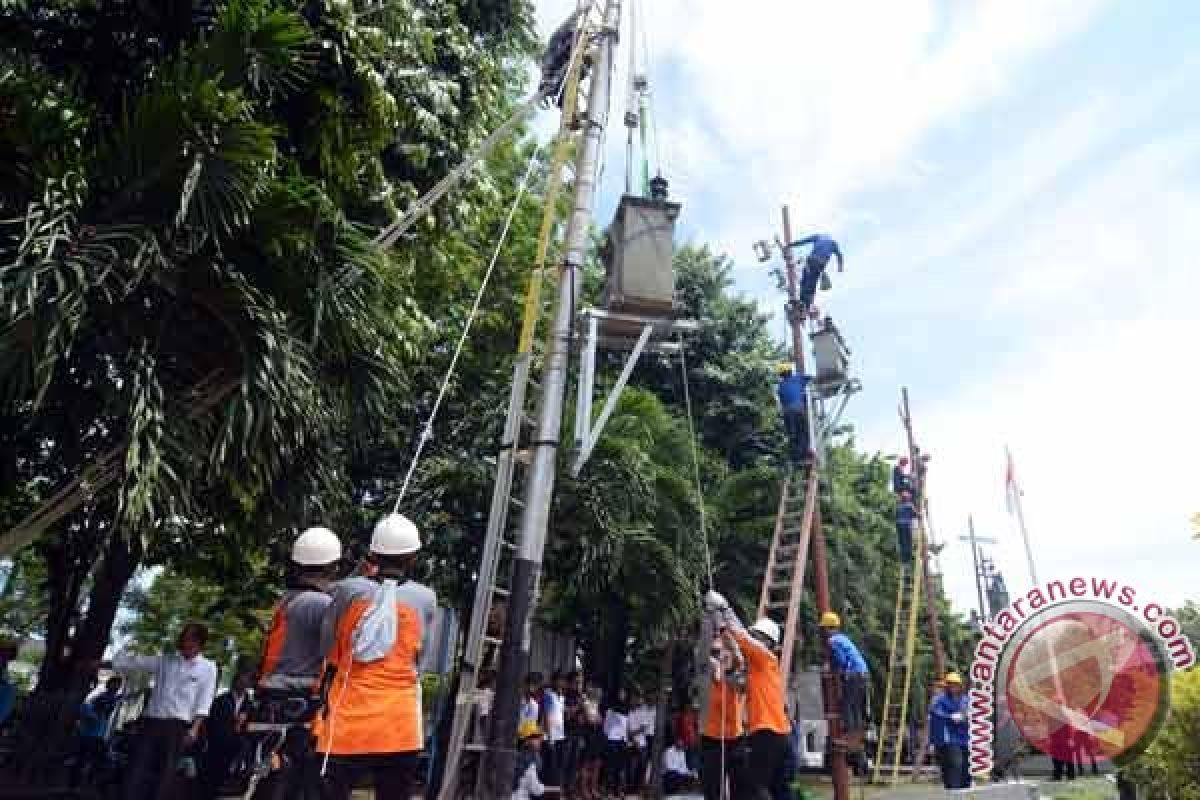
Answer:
x=766 y=713
x=373 y=634
x=292 y=658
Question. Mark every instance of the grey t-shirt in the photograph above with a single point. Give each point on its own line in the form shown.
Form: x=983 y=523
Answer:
x=300 y=657
x=417 y=596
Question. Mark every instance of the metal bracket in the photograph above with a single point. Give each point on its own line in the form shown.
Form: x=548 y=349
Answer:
x=587 y=431
x=827 y=423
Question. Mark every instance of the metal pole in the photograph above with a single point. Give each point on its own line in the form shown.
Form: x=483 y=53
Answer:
x=829 y=688
x=1021 y=523
x=983 y=612
x=514 y=652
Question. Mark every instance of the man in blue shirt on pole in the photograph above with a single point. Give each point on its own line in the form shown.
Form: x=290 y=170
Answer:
x=793 y=402
x=906 y=517
x=851 y=668
x=823 y=248
x=949 y=719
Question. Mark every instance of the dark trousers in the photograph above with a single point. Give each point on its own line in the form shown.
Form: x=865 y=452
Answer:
x=854 y=702
x=809 y=278
x=299 y=774
x=675 y=782
x=91 y=756
x=392 y=775
x=715 y=770
x=904 y=536
x=614 y=767
x=571 y=753
x=155 y=759
x=956 y=772
x=768 y=759
x=795 y=422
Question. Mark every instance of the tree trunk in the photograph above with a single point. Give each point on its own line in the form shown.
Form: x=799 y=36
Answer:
x=619 y=632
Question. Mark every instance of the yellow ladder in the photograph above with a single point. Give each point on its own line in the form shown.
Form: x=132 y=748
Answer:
x=893 y=722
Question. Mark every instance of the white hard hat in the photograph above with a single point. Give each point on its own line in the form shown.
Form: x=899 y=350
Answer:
x=767 y=627
x=316 y=547
x=395 y=535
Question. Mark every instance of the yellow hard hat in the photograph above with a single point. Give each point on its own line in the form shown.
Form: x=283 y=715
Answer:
x=953 y=677
x=785 y=366
x=528 y=729
x=830 y=619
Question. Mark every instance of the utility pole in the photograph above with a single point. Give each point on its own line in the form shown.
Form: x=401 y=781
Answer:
x=514 y=652
x=975 y=542
x=1014 y=491
x=933 y=622
x=830 y=689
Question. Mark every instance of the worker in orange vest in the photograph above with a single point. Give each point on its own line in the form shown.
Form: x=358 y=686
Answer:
x=766 y=713
x=372 y=634
x=289 y=675
x=722 y=741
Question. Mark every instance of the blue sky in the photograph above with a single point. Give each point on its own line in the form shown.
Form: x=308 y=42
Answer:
x=1016 y=187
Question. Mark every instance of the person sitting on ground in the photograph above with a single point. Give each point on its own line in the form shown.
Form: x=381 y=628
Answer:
x=527 y=782
x=823 y=248
x=95 y=716
x=851 y=668
x=793 y=403
x=677 y=776
x=906 y=517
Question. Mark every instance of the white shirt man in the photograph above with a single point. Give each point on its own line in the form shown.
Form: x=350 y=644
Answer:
x=184 y=684
x=554 y=710
x=641 y=724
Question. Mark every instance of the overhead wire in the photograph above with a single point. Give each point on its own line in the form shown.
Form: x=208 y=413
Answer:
x=427 y=430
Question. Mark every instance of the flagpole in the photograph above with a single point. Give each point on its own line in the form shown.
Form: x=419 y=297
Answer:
x=1015 y=494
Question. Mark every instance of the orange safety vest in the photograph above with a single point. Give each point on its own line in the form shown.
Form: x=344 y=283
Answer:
x=373 y=707
x=723 y=716
x=764 y=688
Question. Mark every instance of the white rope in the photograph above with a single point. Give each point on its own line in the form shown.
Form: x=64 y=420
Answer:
x=687 y=401
x=427 y=430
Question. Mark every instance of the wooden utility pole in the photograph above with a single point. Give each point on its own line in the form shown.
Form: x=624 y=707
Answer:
x=829 y=687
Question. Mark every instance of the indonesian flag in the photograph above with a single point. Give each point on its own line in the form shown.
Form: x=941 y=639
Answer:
x=1011 y=491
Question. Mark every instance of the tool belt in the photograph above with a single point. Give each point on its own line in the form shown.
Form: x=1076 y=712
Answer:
x=285 y=707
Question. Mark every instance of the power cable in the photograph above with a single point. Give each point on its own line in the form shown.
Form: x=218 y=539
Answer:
x=427 y=430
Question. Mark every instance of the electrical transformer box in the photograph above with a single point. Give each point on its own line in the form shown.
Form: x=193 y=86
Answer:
x=639 y=255
x=831 y=359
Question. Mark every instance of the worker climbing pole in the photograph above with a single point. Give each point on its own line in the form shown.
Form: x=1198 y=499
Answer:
x=915 y=574
x=798 y=531
x=920 y=462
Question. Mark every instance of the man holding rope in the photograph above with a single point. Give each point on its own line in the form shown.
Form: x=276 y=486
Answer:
x=766 y=714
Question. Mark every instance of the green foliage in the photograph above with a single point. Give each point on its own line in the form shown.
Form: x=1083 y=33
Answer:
x=1168 y=767
x=159 y=610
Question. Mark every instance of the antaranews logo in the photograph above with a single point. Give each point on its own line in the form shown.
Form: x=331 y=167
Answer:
x=1074 y=667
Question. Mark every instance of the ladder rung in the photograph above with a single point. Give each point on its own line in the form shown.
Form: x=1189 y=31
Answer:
x=475 y=748
x=500 y=590
x=777 y=606
x=493 y=640
x=508 y=544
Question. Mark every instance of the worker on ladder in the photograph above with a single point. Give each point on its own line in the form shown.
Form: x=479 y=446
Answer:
x=906 y=518
x=793 y=403
x=949 y=718
x=901 y=477
x=851 y=670
x=766 y=713
x=372 y=633
x=289 y=685
x=823 y=248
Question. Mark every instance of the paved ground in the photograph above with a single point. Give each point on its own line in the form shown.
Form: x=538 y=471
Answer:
x=1084 y=789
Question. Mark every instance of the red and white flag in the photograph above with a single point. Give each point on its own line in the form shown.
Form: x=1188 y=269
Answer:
x=1011 y=491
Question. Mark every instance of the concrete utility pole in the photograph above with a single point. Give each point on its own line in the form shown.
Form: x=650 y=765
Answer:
x=830 y=689
x=514 y=653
